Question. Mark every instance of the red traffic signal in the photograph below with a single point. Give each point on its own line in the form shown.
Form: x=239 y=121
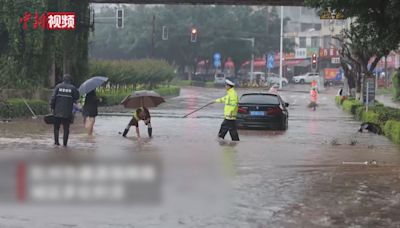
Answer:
x=314 y=62
x=193 y=35
x=314 y=58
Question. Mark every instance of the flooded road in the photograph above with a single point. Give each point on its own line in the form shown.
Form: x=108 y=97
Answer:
x=293 y=178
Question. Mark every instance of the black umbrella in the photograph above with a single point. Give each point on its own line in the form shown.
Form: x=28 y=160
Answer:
x=143 y=98
x=91 y=84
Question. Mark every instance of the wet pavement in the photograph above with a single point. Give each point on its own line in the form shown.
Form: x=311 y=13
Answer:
x=295 y=178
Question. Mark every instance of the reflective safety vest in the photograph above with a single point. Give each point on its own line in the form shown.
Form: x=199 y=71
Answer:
x=314 y=95
x=231 y=101
x=135 y=115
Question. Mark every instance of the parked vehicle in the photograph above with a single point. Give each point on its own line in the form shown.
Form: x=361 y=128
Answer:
x=333 y=76
x=262 y=110
x=219 y=79
x=306 y=78
x=273 y=79
x=258 y=78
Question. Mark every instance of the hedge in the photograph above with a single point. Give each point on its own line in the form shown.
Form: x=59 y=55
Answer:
x=351 y=105
x=110 y=98
x=392 y=130
x=338 y=100
x=396 y=85
x=168 y=91
x=15 y=107
x=386 y=117
x=147 y=72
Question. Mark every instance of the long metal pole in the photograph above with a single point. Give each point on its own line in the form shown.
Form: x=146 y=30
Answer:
x=280 y=51
x=252 y=61
x=198 y=109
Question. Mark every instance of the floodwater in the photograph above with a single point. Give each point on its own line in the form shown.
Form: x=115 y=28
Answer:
x=312 y=175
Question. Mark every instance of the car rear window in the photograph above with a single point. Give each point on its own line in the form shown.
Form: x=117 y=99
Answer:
x=259 y=99
x=220 y=75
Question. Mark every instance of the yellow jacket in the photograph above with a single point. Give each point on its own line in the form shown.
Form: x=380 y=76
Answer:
x=231 y=101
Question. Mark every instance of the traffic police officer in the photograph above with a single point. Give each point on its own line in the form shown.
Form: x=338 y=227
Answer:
x=230 y=112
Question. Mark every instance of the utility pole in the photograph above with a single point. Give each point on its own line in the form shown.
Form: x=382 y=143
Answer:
x=280 y=51
x=153 y=35
x=267 y=19
x=252 y=60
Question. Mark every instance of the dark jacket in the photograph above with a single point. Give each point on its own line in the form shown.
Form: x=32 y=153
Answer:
x=64 y=95
x=91 y=104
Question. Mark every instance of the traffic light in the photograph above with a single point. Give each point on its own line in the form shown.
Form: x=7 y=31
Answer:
x=120 y=18
x=164 y=33
x=193 y=35
x=314 y=62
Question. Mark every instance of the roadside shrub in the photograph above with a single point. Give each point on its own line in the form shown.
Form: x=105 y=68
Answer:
x=340 y=99
x=351 y=105
x=370 y=117
x=337 y=100
x=392 y=130
x=386 y=117
x=168 y=91
x=112 y=98
x=359 y=113
x=14 y=108
x=386 y=113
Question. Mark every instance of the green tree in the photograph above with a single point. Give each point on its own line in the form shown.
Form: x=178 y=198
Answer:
x=220 y=29
x=27 y=55
x=374 y=32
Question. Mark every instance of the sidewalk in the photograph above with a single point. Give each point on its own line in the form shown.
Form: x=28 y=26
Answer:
x=387 y=101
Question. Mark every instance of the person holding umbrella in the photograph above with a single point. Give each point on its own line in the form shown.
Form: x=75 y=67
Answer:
x=91 y=103
x=89 y=110
x=231 y=101
x=141 y=113
x=62 y=100
x=141 y=101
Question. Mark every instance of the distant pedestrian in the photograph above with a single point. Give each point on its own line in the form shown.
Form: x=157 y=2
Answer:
x=231 y=101
x=62 y=101
x=340 y=92
x=140 y=114
x=90 y=111
x=313 y=98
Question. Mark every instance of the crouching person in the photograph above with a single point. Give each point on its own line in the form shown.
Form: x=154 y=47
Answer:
x=140 y=114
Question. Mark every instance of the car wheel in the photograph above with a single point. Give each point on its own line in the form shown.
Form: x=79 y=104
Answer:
x=302 y=81
x=284 y=125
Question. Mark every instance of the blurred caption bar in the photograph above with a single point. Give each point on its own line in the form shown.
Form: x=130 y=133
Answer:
x=132 y=181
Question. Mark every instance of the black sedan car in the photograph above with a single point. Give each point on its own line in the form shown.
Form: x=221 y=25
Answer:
x=262 y=110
